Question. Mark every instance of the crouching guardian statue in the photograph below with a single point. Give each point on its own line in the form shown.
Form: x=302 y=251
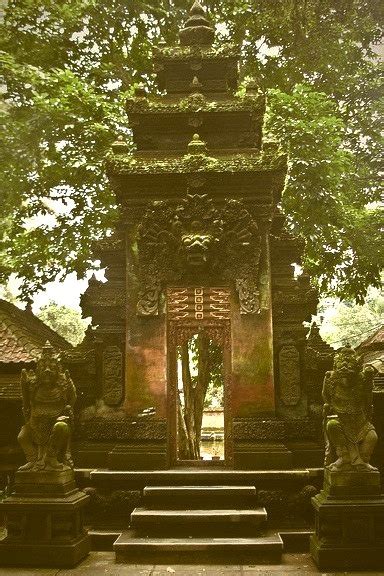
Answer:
x=350 y=436
x=48 y=399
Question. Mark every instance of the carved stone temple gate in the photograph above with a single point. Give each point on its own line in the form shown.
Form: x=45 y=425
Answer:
x=200 y=245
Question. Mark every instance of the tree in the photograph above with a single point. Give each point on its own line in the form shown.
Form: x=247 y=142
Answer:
x=201 y=368
x=68 y=67
x=348 y=323
x=65 y=321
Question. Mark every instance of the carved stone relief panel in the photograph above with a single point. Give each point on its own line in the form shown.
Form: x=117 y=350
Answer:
x=112 y=375
x=199 y=303
x=198 y=241
x=289 y=372
x=198 y=308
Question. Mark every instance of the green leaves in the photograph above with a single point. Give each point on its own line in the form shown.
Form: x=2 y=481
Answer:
x=322 y=198
x=65 y=321
x=68 y=66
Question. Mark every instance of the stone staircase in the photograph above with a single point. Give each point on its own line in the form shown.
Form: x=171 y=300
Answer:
x=184 y=524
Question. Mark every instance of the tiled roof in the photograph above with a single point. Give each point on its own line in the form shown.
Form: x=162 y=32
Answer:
x=376 y=340
x=22 y=335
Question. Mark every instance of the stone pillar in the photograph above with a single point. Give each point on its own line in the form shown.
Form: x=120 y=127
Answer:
x=349 y=522
x=44 y=520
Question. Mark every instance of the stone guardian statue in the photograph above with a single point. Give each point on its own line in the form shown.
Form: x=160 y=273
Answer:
x=49 y=396
x=347 y=393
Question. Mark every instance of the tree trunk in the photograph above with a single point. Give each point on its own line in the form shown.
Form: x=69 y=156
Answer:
x=190 y=417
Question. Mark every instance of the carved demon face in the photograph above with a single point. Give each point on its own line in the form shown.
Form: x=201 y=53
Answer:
x=196 y=245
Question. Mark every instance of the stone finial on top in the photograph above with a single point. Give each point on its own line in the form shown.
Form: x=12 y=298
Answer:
x=197 y=146
x=47 y=350
x=197 y=29
x=118 y=147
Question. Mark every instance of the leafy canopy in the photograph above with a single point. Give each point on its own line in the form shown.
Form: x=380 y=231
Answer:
x=65 y=321
x=69 y=65
x=344 y=323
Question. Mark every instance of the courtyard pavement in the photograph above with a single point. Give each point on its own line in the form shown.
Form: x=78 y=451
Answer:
x=103 y=564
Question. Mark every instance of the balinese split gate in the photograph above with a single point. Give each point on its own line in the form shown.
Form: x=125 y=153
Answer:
x=200 y=265
x=199 y=385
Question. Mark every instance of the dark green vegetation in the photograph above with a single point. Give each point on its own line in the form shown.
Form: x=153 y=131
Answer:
x=69 y=66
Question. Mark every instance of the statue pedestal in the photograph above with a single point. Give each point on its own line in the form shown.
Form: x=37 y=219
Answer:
x=349 y=522
x=44 y=521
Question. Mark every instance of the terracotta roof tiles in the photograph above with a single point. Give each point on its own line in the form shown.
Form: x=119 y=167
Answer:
x=22 y=335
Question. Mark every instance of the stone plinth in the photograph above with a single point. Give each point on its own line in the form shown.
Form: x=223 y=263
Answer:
x=44 y=521
x=349 y=522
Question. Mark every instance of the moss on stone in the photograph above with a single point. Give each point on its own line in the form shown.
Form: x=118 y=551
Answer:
x=127 y=164
x=196 y=103
x=224 y=50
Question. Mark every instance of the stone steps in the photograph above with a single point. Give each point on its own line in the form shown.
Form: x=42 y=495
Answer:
x=160 y=532
x=265 y=549
x=203 y=497
x=194 y=522
x=107 y=480
x=293 y=540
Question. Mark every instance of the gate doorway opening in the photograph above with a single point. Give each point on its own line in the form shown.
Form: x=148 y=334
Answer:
x=199 y=376
x=200 y=399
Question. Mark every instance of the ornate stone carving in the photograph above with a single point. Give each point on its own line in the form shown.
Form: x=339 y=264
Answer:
x=48 y=399
x=198 y=225
x=194 y=240
x=347 y=394
x=253 y=429
x=219 y=331
x=248 y=295
x=148 y=301
x=289 y=373
x=199 y=304
x=196 y=180
x=318 y=353
x=105 y=429
x=112 y=375
x=242 y=239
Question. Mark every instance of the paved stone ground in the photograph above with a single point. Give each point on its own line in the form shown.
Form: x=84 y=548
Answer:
x=102 y=564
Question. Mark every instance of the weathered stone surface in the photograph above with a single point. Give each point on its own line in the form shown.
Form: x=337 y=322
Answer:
x=45 y=523
x=124 y=429
x=349 y=532
x=258 y=429
x=197 y=29
x=289 y=374
x=111 y=509
x=44 y=482
x=193 y=219
x=112 y=375
x=196 y=238
x=351 y=483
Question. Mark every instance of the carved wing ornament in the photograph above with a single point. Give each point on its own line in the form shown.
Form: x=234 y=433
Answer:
x=197 y=241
